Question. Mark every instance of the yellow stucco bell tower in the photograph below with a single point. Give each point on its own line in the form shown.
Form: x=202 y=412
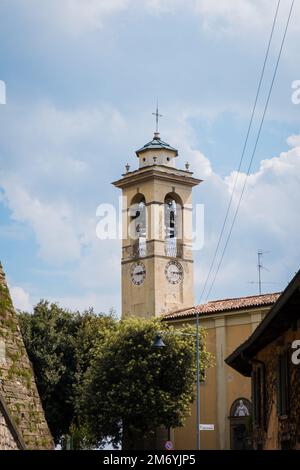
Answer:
x=157 y=261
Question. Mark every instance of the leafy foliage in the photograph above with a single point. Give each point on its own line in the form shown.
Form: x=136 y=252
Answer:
x=60 y=344
x=133 y=387
x=102 y=380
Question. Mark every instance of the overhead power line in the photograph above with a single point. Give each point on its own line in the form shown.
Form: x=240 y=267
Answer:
x=243 y=151
x=254 y=150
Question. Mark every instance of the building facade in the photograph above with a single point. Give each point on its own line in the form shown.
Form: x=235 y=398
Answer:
x=225 y=395
x=271 y=357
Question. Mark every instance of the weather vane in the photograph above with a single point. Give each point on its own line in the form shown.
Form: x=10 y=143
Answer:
x=157 y=116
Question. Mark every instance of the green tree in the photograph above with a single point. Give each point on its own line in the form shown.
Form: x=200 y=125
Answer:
x=60 y=345
x=49 y=336
x=134 y=387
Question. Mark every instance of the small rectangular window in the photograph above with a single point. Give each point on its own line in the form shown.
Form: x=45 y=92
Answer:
x=283 y=384
x=259 y=396
x=256 y=397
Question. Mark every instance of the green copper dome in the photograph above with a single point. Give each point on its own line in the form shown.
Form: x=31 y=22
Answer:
x=156 y=144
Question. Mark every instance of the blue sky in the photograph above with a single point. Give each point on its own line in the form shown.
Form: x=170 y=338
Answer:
x=82 y=80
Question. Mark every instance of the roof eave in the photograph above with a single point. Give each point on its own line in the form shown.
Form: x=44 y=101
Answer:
x=153 y=171
x=218 y=312
x=240 y=357
x=158 y=147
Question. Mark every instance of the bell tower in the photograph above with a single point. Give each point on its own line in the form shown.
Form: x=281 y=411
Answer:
x=157 y=261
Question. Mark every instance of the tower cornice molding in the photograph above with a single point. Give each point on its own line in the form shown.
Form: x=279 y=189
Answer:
x=158 y=173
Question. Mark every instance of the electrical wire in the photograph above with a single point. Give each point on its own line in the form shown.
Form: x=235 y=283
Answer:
x=254 y=150
x=243 y=151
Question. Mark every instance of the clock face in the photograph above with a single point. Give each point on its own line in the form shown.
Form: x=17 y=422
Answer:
x=138 y=273
x=174 y=272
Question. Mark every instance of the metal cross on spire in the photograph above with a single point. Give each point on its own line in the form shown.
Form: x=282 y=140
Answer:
x=157 y=116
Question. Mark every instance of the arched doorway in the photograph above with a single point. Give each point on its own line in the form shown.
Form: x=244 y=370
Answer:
x=240 y=424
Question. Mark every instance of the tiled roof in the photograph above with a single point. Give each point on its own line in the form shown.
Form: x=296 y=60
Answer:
x=225 y=305
x=281 y=317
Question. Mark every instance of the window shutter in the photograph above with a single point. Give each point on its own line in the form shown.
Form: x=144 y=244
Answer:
x=259 y=395
x=283 y=384
x=286 y=382
x=264 y=397
x=254 y=396
x=278 y=385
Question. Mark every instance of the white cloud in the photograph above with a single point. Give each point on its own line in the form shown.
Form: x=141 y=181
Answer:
x=294 y=140
x=52 y=181
x=89 y=14
x=233 y=15
x=20 y=298
x=267 y=219
x=230 y=17
x=56 y=164
x=100 y=302
x=60 y=206
x=51 y=224
x=75 y=16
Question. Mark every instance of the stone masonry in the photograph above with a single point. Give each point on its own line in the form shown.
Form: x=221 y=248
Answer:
x=17 y=383
x=7 y=440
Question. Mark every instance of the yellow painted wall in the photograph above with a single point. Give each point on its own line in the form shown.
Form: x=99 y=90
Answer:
x=185 y=437
x=223 y=385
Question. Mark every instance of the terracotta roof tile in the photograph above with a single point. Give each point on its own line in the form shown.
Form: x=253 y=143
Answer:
x=225 y=305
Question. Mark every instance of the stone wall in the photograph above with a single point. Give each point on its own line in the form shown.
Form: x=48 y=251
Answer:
x=17 y=383
x=7 y=440
x=280 y=429
x=10 y=437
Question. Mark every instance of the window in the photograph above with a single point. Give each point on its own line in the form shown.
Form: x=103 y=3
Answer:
x=256 y=397
x=259 y=396
x=283 y=384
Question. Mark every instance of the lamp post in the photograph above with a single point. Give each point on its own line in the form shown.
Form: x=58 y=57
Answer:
x=158 y=343
x=198 y=381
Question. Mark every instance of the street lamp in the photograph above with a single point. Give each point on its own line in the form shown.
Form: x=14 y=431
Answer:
x=158 y=343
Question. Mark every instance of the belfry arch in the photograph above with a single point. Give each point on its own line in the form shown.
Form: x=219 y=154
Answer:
x=173 y=225
x=138 y=225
